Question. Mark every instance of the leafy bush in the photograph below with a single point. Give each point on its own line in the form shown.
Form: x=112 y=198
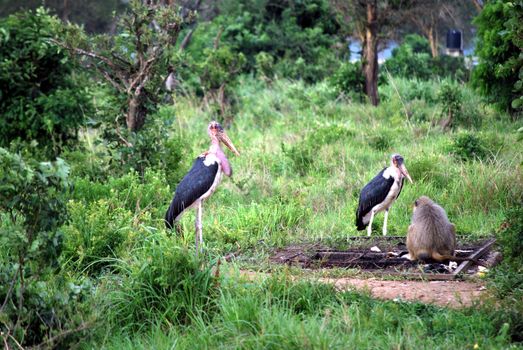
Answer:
x=429 y=169
x=445 y=66
x=507 y=280
x=510 y=238
x=468 y=146
x=299 y=35
x=349 y=80
x=40 y=99
x=159 y=283
x=37 y=306
x=451 y=100
x=412 y=59
x=94 y=235
x=405 y=62
x=499 y=74
x=265 y=66
x=107 y=219
x=153 y=147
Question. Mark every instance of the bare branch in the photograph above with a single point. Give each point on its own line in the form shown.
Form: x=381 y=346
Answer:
x=186 y=39
x=83 y=52
x=51 y=341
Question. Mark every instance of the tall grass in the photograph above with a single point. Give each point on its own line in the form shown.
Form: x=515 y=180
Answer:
x=280 y=314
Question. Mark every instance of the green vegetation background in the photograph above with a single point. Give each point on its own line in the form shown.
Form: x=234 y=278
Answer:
x=86 y=260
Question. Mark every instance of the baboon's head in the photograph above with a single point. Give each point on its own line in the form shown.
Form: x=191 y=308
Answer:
x=423 y=200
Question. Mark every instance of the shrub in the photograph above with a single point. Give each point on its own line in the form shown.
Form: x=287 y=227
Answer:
x=265 y=66
x=380 y=142
x=467 y=146
x=153 y=147
x=451 y=101
x=510 y=238
x=299 y=35
x=38 y=307
x=94 y=235
x=507 y=280
x=407 y=63
x=40 y=99
x=159 y=283
x=106 y=219
x=499 y=74
x=445 y=66
x=350 y=81
x=412 y=59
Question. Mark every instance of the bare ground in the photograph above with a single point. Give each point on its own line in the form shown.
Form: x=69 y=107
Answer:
x=379 y=256
x=455 y=294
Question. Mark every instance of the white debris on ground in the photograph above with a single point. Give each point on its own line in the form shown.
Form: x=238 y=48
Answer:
x=375 y=249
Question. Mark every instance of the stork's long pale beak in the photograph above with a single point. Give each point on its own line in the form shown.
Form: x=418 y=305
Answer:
x=227 y=142
x=405 y=172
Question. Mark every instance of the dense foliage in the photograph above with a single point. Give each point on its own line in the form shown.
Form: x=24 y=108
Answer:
x=499 y=74
x=85 y=259
x=39 y=305
x=413 y=58
x=41 y=100
x=298 y=34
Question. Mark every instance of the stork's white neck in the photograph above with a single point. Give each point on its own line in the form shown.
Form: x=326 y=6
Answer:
x=393 y=171
x=216 y=149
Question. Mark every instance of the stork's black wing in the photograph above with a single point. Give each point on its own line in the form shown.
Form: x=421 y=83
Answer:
x=372 y=194
x=194 y=185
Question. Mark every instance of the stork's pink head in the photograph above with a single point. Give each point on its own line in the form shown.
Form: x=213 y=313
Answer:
x=217 y=132
x=397 y=161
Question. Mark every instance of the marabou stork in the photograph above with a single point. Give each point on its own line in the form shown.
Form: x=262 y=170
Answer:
x=201 y=181
x=380 y=193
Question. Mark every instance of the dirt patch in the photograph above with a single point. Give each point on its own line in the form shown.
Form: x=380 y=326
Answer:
x=455 y=294
x=443 y=293
x=439 y=284
x=386 y=256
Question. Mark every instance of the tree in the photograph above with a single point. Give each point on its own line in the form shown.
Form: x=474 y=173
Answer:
x=40 y=100
x=298 y=34
x=499 y=74
x=132 y=61
x=369 y=20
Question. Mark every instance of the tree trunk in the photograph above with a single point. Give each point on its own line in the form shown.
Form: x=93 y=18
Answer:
x=66 y=11
x=433 y=40
x=132 y=113
x=370 y=53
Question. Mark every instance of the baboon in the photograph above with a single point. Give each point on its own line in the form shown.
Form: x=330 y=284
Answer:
x=431 y=235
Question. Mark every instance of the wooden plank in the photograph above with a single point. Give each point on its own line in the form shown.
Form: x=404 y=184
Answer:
x=418 y=275
x=478 y=254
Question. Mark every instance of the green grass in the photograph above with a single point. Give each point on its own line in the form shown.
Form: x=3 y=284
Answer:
x=276 y=313
x=305 y=155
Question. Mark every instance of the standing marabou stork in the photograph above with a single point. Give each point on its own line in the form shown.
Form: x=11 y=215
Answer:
x=380 y=193
x=201 y=181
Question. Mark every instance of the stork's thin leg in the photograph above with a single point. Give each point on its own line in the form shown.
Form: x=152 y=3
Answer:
x=369 y=228
x=198 y=237
x=178 y=228
x=385 y=222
